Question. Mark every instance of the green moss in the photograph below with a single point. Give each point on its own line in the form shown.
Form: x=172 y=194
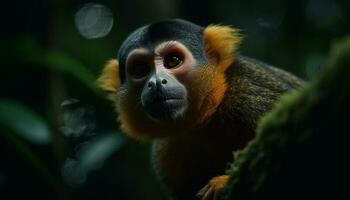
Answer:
x=290 y=156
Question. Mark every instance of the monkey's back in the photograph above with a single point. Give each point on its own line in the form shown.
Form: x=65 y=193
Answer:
x=253 y=88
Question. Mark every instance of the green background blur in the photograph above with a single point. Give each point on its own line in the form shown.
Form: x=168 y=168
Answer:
x=58 y=135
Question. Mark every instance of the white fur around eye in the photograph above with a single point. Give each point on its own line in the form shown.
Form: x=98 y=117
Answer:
x=169 y=47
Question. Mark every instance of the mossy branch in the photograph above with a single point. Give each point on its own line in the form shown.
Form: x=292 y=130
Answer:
x=300 y=150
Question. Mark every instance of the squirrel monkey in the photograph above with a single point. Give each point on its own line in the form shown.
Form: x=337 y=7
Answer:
x=185 y=87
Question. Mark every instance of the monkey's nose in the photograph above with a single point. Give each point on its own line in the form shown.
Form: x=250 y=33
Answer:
x=156 y=83
x=150 y=84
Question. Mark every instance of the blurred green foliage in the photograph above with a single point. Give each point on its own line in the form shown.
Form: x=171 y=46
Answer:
x=47 y=60
x=24 y=122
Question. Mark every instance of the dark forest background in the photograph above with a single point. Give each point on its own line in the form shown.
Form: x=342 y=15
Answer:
x=58 y=135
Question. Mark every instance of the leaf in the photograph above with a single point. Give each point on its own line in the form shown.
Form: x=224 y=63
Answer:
x=24 y=121
x=93 y=155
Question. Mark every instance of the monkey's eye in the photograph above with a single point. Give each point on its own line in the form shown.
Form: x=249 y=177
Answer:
x=139 y=70
x=172 y=60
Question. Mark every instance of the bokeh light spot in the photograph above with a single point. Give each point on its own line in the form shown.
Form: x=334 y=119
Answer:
x=94 y=20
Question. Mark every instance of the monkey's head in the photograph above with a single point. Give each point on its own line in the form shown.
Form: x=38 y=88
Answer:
x=169 y=76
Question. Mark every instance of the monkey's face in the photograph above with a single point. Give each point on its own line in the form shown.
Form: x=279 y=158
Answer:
x=163 y=89
x=171 y=76
x=162 y=76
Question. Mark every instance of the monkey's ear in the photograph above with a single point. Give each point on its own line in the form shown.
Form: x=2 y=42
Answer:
x=109 y=78
x=220 y=44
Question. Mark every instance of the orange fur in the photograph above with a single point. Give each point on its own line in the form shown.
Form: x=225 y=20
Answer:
x=221 y=43
x=206 y=89
x=214 y=188
x=109 y=78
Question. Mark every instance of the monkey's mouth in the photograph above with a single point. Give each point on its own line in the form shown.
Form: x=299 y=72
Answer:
x=171 y=104
x=160 y=108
